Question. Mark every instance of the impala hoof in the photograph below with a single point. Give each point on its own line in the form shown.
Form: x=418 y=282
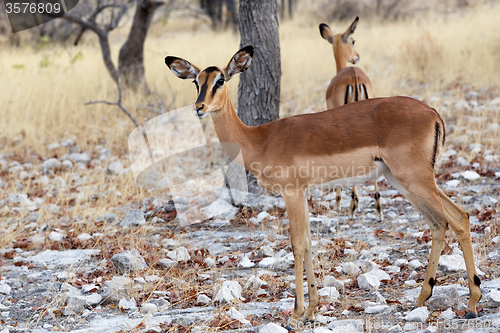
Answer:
x=470 y=315
x=308 y=321
x=289 y=328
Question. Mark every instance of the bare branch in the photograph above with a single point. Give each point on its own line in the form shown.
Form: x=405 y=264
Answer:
x=117 y=103
x=85 y=24
x=123 y=10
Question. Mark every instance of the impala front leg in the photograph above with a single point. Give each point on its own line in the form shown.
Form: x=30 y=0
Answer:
x=294 y=202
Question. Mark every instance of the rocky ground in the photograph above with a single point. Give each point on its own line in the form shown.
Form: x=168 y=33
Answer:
x=86 y=255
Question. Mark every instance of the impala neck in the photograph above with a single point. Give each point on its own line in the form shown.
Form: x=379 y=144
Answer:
x=340 y=61
x=229 y=128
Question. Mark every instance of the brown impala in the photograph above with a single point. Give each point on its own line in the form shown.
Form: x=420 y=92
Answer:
x=350 y=84
x=398 y=137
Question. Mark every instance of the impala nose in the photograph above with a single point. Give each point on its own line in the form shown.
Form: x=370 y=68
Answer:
x=198 y=111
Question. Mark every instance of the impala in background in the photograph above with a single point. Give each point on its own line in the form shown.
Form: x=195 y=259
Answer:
x=350 y=84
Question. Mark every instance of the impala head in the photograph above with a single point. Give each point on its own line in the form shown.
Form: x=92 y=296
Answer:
x=343 y=44
x=210 y=82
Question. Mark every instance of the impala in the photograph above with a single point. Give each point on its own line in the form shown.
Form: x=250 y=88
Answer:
x=398 y=137
x=350 y=84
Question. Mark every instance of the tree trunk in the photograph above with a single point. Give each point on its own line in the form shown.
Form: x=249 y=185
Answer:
x=231 y=15
x=213 y=8
x=259 y=87
x=131 y=57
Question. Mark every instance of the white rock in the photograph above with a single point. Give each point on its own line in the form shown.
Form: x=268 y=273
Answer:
x=350 y=268
x=246 y=263
x=449 y=314
x=401 y=262
x=330 y=281
x=219 y=208
x=228 y=292
x=470 y=175
x=254 y=283
x=376 y=309
x=179 y=254
x=267 y=251
x=411 y=283
x=493 y=298
x=62 y=258
x=59 y=183
x=203 y=299
x=5 y=289
x=329 y=292
x=89 y=287
x=462 y=161
x=115 y=168
x=273 y=328
x=127 y=304
x=268 y=262
x=78 y=158
x=152 y=278
x=133 y=217
x=452 y=263
x=148 y=308
x=84 y=237
x=452 y=183
x=56 y=236
x=50 y=165
x=418 y=315
x=128 y=261
x=236 y=315
x=381 y=274
x=116 y=288
x=368 y=281
x=392 y=269
x=93 y=299
x=415 y=264
x=67 y=165
x=209 y=261
x=52 y=146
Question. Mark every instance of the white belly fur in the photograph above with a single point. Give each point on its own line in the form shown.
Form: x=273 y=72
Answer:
x=375 y=174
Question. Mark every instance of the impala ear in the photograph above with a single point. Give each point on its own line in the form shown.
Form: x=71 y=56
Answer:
x=326 y=32
x=181 y=68
x=350 y=30
x=239 y=62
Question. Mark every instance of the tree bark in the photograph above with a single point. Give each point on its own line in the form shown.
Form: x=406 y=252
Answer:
x=259 y=87
x=131 y=57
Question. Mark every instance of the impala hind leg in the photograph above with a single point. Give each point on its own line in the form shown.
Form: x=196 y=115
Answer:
x=300 y=236
x=311 y=279
x=378 y=205
x=354 y=202
x=338 y=198
x=440 y=211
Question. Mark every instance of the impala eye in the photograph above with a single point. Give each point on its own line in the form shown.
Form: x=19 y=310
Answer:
x=353 y=41
x=220 y=82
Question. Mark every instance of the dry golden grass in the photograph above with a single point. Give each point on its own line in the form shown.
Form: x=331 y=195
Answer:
x=43 y=91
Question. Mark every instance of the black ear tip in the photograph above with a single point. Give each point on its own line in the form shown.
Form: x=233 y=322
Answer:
x=357 y=19
x=322 y=26
x=169 y=60
x=249 y=49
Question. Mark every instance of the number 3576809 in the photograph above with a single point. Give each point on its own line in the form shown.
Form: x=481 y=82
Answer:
x=33 y=8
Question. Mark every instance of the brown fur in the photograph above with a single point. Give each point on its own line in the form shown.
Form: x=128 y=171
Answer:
x=400 y=131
